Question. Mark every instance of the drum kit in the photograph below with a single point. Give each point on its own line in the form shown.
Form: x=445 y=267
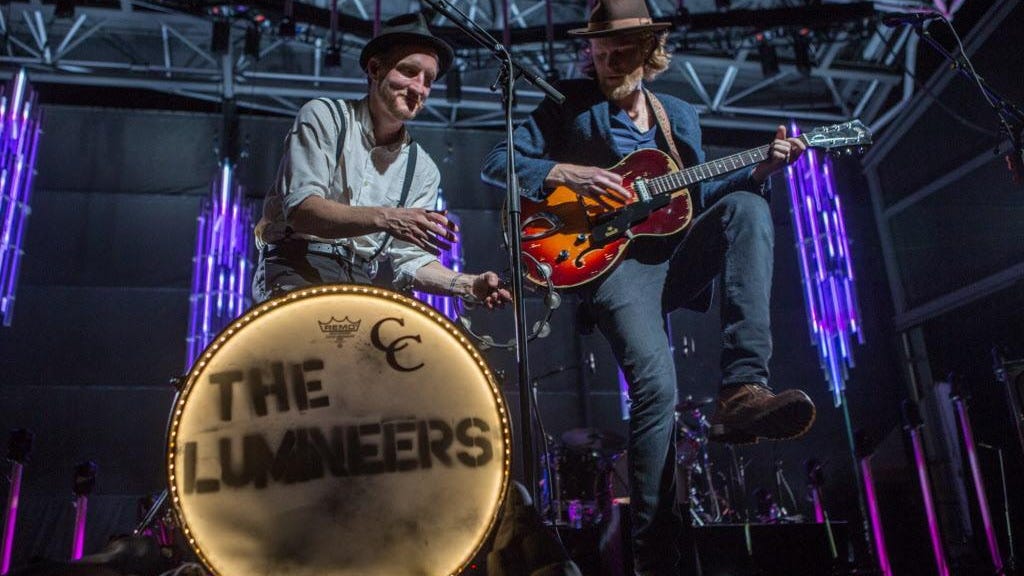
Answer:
x=584 y=473
x=578 y=476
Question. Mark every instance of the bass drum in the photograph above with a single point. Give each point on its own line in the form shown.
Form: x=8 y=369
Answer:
x=338 y=430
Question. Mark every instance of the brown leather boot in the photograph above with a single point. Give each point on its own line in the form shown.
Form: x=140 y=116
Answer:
x=747 y=412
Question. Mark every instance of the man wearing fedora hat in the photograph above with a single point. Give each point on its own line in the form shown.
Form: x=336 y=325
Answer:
x=603 y=119
x=353 y=188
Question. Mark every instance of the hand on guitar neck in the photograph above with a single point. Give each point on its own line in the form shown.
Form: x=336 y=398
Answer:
x=595 y=183
x=783 y=151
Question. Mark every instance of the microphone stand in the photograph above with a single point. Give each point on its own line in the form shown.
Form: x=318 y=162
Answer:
x=511 y=69
x=1010 y=116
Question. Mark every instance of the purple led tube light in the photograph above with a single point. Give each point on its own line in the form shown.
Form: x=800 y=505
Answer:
x=877 y=535
x=825 y=267
x=78 y=537
x=220 y=265
x=964 y=420
x=819 y=509
x=942 y=566
x=11 y=518
x=19 y=139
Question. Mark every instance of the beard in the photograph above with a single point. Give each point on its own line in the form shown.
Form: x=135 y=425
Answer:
x=618 y=88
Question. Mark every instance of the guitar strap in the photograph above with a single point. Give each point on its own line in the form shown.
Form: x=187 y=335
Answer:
x=666 y=129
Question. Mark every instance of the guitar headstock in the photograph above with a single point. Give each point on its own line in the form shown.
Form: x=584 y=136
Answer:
x=840 y=138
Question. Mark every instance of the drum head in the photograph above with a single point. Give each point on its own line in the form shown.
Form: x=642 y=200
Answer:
x=338 y=430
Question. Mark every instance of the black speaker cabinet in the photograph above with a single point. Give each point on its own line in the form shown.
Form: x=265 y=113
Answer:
x=774 y=549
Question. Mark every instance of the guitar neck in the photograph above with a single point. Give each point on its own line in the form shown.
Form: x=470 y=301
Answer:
x=673 y=181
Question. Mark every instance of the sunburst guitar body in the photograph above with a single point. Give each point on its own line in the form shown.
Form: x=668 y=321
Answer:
x=558 y=232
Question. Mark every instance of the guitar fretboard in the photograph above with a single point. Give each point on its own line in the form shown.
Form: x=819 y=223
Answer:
x=673 y=181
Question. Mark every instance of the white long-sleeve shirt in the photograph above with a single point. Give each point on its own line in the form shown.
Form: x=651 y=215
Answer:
x=359 y=173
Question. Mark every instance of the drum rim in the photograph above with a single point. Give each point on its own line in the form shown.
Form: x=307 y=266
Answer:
x=318 y=291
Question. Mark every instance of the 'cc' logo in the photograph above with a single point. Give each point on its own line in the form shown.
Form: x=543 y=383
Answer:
x=396 y=345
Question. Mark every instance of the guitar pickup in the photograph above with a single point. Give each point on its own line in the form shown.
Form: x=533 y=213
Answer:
x=615 y=224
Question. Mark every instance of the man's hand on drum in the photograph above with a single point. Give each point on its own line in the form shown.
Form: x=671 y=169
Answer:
x=430 y=230
x=489 y=290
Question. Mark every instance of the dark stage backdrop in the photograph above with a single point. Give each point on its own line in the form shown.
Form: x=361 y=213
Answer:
x=101 y=318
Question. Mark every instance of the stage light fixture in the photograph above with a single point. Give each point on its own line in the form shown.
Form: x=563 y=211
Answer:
x=802 y=51
x=769 y=58
x=286 y=28
x=913 y=424
x=64 y=9
x=19 y=137
x=220 y=36
x=453 y=86
x=220 y=267
x=84 y=483
x=332 y=57
x=863 y=453
x=971 y=448
x=252 y=41
x=17 y=455
x=826 y=265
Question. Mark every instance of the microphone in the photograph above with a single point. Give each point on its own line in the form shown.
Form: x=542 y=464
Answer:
x=896 y=20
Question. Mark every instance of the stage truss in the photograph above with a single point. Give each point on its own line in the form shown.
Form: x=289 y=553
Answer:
x=856 y=68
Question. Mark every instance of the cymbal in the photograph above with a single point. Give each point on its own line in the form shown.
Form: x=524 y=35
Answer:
x=691 y=403
x=593 y=439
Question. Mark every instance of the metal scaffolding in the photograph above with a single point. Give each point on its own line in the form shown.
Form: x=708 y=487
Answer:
x=744 y=68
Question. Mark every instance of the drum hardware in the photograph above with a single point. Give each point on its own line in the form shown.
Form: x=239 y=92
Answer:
x=815 y=479
x=159 y=504
x=593 y=440
x=692 y=455
x=768 y=511
x=792 y=514
x=549 y=485
x=738 y=480
x=162 y=527
x=690 y=404
x=577 y=486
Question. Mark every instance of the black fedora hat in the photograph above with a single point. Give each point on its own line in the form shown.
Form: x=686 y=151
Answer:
x=407 y=29
x=614 y=17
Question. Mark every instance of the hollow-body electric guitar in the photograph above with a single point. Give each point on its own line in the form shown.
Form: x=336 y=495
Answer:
x=569 y=240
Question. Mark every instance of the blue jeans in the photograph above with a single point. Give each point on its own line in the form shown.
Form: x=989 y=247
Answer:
x=733 y=237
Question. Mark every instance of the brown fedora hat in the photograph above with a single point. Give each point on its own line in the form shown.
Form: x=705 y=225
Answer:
x=612 y=17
